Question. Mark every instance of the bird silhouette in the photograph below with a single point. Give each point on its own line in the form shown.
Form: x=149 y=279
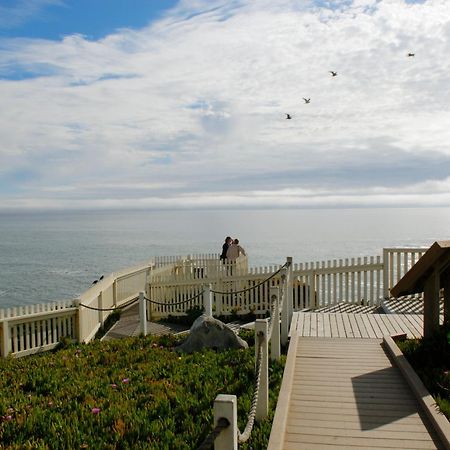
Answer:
x=95 y=282
x=333 y=74
x=410 y=54
x=307 y=100
x=288 y=116
x=101 y=278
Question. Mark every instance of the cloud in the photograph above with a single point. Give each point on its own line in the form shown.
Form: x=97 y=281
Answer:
x=190 y=111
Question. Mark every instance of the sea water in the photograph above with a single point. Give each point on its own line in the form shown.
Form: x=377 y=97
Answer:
x=56 y=255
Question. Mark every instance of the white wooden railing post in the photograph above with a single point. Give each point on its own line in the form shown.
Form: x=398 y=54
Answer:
x=225 y=406
x=261 y=330
x=385 y=273
x=6 y=346
x=275 y=344
x=207 y=300
x=142 y=314
x=289 y=290
x=284 y=309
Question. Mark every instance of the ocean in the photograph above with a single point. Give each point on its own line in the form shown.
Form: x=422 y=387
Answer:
x=56 y=255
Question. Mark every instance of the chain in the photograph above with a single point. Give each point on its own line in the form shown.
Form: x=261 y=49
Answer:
x=109 y=309
x=182 y=302
x=252 y=287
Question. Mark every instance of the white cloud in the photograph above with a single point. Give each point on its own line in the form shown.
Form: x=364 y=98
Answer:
x=192 y=107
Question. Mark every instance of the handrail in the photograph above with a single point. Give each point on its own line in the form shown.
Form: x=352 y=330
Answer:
x=264 y=334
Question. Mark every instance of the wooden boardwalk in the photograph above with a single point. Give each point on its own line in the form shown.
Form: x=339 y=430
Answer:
x=341 y=393
x=349 y=325
x=340 y=390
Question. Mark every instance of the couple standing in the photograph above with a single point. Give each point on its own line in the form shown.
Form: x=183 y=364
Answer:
x=231 y=250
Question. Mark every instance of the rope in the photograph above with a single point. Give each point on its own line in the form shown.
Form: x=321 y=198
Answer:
x=110 y=309
x=208 y=443
x=252 y=287
x=182 y=302
x=243 y=437
x=272 y=315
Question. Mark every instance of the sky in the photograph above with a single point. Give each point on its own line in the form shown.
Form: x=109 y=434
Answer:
x=149 y=104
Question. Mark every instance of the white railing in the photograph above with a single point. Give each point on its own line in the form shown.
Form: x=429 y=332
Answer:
x=397 y=261
x=34 y=328
x=266 y=331
x=29 y=329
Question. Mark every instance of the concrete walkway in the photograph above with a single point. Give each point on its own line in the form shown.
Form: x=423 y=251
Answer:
x=129 y=325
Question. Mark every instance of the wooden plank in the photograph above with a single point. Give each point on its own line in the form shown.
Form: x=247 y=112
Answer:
x=348 y=327
x=380 y=323
x=313 y=318
x=307 y=325
x=334 y=331
x=412 y=325
x=300 y=323
x=360 y=442
x=369 y=328
x=404 y=324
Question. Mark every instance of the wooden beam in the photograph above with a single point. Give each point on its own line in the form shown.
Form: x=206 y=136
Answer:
x=445 y=283
x=431 y=304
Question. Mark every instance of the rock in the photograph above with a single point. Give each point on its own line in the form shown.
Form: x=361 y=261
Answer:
x=207 y=332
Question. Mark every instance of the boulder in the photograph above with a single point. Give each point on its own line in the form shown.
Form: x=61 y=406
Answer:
x=207 y=332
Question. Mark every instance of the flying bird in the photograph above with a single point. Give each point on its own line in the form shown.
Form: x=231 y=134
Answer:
x=101 y=278
x=307 y=100
x=410 y=54
x=95 y=282
x=288 y=116
x=333 y=74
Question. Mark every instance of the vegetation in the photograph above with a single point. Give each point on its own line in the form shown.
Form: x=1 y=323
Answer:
x=430 y=358
x=135 y=393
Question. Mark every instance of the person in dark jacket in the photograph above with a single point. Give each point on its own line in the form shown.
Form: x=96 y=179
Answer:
x=225 y=246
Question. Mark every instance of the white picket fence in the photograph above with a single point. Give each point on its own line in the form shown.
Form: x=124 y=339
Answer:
x=30 y=329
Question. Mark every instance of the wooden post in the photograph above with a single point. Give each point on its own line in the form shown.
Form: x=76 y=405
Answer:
x=284 y=308
x=385 y=273
x=100 y=306
x=289 y=290
x=225 y=406
x=114 y=289
x=261 y=329
x=142 y=314
x=6 y=346
x=275 y=344
x=431 y=304
x=446 y=285
x=207 y=300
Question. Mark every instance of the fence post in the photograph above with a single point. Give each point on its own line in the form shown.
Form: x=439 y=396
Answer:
x=225 y=406
x=142 y=314
x=289 y=288
x=284 y=308
x=275 y=345
x=385 y=273
x=261 y=330
x=5 y=340
x=100 y=306
x=207 y=300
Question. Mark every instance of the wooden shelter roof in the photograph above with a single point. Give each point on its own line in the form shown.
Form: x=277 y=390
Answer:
x=436 y=257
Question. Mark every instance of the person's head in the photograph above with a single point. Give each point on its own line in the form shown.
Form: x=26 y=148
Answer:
x=228 y=240
x=236 y=241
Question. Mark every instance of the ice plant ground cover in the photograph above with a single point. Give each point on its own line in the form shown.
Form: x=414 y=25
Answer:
x=430 y=358
x=133 y=393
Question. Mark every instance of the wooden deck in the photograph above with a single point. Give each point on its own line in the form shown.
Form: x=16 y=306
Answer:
x=349 y=325
x=341 y=393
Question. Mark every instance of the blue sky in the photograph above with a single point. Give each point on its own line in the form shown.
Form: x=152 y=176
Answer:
x=182 y=104
x=94 y=19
